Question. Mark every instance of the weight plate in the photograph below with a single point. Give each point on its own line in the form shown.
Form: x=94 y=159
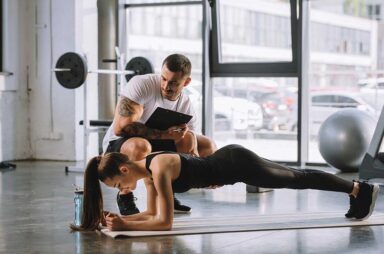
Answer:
x=140 y=65
x=78 y=70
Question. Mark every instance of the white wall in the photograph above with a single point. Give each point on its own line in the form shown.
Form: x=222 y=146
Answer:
x=86 y=34
x=14 y=120
x=51 y=123
x=38 y=117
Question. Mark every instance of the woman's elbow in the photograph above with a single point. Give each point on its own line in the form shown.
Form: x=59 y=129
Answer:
x=165 y=225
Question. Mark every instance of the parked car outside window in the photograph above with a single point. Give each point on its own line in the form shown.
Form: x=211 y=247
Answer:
x=324 y=104
x=372 y=91
x=229 y=113
x=277 y=108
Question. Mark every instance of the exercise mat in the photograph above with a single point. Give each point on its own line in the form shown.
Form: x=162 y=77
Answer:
x=186 y=226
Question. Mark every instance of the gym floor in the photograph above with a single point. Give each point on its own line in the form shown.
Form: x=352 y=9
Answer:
x=37 y=207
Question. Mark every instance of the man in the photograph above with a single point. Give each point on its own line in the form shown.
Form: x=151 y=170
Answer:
x=138 y=100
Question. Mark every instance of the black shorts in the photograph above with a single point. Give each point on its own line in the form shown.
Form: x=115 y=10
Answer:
x=157 y=145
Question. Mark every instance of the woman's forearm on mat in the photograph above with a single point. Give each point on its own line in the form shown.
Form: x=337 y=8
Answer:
x=152 y=224
x=146 y=215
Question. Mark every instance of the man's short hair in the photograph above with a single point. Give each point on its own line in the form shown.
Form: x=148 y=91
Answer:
x=178 y=63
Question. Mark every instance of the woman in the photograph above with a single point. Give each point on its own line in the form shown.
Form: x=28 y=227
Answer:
x=165 y=172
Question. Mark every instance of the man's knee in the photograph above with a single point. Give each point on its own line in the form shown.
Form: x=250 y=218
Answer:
x=136 y=148
x=205 y=145
x=186 y=144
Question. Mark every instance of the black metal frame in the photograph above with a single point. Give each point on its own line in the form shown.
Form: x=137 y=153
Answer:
x=371 y=166
x=260 y=69
x=263 y=69
x=212 y=67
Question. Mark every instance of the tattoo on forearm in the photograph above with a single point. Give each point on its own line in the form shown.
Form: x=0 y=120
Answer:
x=125 y=107
x=139 y=129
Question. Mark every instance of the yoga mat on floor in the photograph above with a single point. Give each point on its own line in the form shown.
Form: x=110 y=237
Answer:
x=186 y=226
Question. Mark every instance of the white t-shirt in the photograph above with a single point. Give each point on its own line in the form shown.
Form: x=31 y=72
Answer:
x=145 y=90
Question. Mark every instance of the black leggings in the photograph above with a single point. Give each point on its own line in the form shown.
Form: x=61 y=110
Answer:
x=254 y=170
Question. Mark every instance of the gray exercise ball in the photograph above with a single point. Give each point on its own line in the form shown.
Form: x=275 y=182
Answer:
x=344 y=138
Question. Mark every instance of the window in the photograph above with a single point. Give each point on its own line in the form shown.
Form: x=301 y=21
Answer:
x=254 y=38
x=247 y=34
x=156 y=29
x=374 y=11
x=336 y=101
x=346 y=100
x=339 y=39
x=259 y=113
x=254 y=65
x=322 y=99
x=348 y=78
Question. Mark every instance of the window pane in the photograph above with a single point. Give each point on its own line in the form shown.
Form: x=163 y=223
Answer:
x=259 y=113
x=156 y=32
x=345 y=63
x=255 y=31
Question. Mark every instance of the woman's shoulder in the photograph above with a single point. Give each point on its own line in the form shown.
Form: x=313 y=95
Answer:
x=160 y=161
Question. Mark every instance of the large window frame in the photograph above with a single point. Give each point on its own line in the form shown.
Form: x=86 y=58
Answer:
x=259 y=69
x=212 y=67
x=295 y=68
x=205 y=54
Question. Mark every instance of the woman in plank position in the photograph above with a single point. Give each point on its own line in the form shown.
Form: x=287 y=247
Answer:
x=167 y=172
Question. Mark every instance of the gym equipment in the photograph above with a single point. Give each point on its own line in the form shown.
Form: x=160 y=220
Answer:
x=208 y=225
x=344 y=138
x=373 y=162
x=89 y=126
x=71 y=72
x=71 y=69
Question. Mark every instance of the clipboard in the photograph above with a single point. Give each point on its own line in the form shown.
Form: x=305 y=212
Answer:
x=162 y=119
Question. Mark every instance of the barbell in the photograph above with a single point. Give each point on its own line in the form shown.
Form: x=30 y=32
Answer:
x=71 y=69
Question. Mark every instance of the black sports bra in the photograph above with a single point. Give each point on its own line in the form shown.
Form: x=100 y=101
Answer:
x=150 y=157
x=195 y=172
x=222 y=167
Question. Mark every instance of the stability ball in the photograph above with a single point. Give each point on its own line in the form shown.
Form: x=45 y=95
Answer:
x=344 y=138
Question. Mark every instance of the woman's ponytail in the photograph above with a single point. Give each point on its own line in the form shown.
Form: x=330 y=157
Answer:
x=93 y=199
x=98 y=169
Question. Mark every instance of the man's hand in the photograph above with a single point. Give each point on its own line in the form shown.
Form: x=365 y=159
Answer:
x=177 y=132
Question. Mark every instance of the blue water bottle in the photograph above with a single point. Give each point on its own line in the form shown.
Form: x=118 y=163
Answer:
x=79 y=194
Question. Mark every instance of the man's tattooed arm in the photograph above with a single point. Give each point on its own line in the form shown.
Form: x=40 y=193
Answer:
x=129 y=113
x=127 y=107
x=139 y=129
